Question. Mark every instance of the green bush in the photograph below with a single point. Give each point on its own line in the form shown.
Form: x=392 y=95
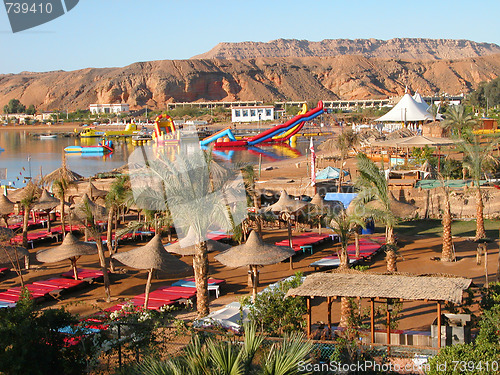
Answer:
x=480 y=357
x=30 y=342
x=273 y=313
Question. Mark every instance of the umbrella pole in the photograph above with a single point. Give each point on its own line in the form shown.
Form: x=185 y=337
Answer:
x=148 y=287
x=255 y=282
x=73 y=265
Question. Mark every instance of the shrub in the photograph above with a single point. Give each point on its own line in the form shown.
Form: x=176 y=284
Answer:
x=30 y=341
x=274 y=313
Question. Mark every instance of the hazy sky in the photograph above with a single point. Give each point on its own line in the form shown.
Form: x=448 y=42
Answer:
x=105 y=33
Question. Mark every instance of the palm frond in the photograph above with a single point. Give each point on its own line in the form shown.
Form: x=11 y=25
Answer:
x=284 y=358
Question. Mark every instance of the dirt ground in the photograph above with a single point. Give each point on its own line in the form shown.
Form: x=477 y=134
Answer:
x=416 y=254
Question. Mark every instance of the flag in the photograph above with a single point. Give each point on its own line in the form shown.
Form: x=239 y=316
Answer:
x=313 y=163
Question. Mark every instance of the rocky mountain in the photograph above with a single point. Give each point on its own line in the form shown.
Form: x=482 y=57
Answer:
x=397 y=48
x=307 y=78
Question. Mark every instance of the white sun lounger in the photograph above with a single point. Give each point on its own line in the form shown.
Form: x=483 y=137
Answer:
x=335 y=262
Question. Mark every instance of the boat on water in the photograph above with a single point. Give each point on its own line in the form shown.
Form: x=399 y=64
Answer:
x=48 y=136
x=105 y=147
x=128 y=131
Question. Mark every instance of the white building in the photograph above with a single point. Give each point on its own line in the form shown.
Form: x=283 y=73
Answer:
x=252 y=113
x=109 y=108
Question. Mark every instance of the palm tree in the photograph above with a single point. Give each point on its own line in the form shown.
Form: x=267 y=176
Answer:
x=190 y=188
x=374 y=188
x=88 y=213
x=345 y=141
x=344 y=225
x=249 y=177
x=234 y=358
x=116 y=196
x=458 y=119
x=30 y=195
x=446 y=220
x=59 y=181
x=478 y=159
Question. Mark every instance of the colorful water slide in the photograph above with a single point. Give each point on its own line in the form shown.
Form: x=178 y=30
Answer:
x=222 y=133
x=278 y=133
x=290 y=124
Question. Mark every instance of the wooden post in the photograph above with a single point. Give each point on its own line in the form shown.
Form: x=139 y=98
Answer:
x=148 y=288
x=372 y=320
x=255 y=282
x=439 y=324
x=487 y=284
x=388 y=318
x=329 y=303
x=290 y=240
x=73 y=266
x=308 y=304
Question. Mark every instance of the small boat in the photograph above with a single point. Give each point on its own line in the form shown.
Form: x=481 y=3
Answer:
x=48 y=136
x=128 y=131
x=105 y=147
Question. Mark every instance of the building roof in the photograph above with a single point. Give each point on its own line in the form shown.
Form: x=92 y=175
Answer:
x=394 y=286
x=252 y=107
x=407 y=109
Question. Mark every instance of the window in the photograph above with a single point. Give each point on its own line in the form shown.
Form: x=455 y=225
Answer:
x=268 y=113
x=245 y=113
x=252 y=112
x=237 y=113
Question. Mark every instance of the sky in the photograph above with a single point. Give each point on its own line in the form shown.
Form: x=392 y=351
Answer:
x=115 y=33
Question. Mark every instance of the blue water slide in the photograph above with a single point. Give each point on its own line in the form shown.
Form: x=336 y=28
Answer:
x=224 y=133
x=279 y=131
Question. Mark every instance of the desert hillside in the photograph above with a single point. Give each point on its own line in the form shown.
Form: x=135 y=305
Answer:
x=306 y=78
x=397 y=48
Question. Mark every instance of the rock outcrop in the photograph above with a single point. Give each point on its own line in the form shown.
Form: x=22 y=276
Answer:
x=156 y=83
x=397 y=48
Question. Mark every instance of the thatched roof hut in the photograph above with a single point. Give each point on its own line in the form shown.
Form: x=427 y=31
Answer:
x=368 y=285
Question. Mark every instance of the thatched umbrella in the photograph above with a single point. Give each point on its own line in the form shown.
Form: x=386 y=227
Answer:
x=30 y=189
x=80 y=209
x=10 y=254
x=86 y=209
x=286 y=204
x=318 y=201
x=6 y=208
x=62 y=173
x=46 y=203
x=186 y=246
x=254 y=253
x=190 y=250
x=71 y=248
x=287 y=207
x=151 y=256
x=5 y=234
x=93 y=192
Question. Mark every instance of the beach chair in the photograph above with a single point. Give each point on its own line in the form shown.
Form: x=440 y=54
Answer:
x=60 y=285
x=213 y=284
x=87 y=275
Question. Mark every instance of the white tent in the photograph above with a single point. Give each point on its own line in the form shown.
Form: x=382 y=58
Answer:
x=422 y=103
x=407 y=109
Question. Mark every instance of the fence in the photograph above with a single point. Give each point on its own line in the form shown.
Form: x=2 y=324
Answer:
x=127 y=343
